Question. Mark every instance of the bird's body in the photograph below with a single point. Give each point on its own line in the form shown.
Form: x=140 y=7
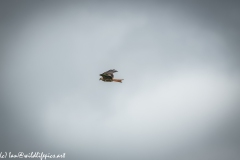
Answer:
x=109 y=77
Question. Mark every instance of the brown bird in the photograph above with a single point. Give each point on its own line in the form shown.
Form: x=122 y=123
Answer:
x=108 y=76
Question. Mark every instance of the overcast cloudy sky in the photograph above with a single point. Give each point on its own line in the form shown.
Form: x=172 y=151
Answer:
x=179 y=60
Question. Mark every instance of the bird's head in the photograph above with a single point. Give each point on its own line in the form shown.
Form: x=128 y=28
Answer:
x=100 y=78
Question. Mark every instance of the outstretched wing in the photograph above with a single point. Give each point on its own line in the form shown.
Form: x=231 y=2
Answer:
x=108 y=74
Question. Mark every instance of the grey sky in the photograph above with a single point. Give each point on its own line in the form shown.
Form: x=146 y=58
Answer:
x=179 y=60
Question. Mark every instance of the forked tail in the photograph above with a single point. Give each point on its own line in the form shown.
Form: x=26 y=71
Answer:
x=117 y=80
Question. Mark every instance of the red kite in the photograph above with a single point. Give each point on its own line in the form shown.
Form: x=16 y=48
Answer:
x=108 y=76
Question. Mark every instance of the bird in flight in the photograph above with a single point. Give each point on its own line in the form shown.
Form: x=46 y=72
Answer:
x=108 y=76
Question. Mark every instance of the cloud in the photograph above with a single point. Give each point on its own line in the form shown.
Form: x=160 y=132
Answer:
x=180 y=90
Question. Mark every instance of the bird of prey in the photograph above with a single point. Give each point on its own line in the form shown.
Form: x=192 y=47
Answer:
x=108 y=76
